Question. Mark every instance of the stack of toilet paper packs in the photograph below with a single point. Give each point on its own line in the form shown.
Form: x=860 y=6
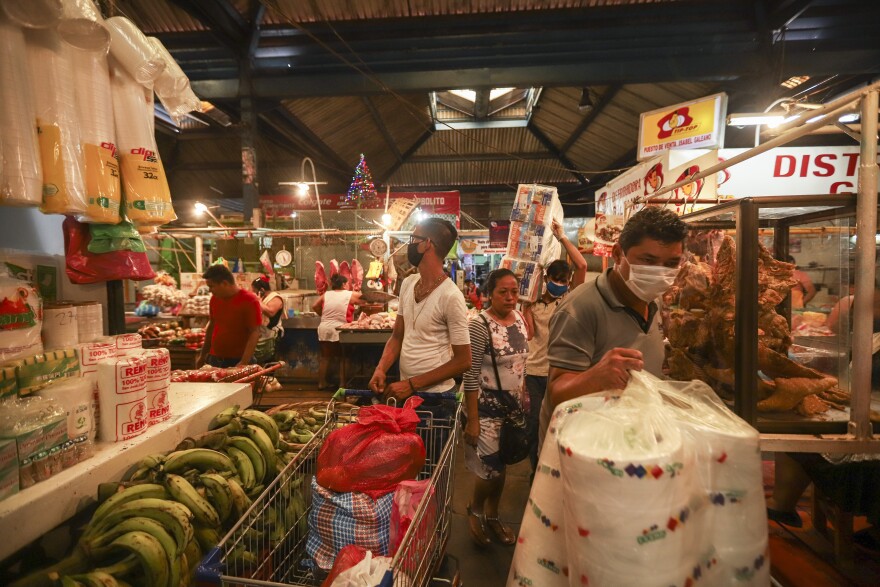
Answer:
x=661 y=486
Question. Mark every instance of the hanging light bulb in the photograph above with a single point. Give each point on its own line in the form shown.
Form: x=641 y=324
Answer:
x=302 y=189
x=200 y=208
x=293 y=214
x=386 y=218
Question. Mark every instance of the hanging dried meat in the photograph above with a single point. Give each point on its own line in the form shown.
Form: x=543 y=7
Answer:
x=699 y=324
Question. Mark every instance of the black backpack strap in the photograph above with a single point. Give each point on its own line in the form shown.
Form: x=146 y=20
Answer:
x=492 y=352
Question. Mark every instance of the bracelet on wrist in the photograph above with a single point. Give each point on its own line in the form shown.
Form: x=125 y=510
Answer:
x=411 y=387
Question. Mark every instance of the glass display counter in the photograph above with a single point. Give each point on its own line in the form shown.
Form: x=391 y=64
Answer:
x=736 y=317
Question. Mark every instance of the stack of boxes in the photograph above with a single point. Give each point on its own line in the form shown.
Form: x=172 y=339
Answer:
x=530 y=243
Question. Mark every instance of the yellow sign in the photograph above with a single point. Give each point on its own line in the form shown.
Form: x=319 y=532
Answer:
x=698 y=124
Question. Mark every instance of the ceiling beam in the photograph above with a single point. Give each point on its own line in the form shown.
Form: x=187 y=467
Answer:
x=222 y=18
x=380 y=124
x=406 y=155
x=332 y=158
x=229 y=165
x=481 y=104
x=548 y=144
x=585 y=123
x=785 y=12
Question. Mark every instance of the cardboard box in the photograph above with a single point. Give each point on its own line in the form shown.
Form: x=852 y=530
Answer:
x=529 y=275
x=533 y=204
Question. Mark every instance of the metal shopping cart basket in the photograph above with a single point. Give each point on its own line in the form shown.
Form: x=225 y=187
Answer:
x=267 y=547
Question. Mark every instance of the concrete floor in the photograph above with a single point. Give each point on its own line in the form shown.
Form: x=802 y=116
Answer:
x=485 y=566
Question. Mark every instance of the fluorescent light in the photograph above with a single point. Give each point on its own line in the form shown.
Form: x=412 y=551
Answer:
x=386 y=218
x=756 y=118
x=200 y=208
x=847 y=118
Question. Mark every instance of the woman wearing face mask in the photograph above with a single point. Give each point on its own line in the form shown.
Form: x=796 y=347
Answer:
x=492 y=386
x=556 y=286
x=609 y=327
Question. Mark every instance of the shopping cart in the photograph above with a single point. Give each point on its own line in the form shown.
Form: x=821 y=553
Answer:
x=267 y=547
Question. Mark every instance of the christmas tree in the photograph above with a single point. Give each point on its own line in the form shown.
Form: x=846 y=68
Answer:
x=362 y=187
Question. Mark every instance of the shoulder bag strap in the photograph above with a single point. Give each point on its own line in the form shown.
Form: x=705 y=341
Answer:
x=492 y=352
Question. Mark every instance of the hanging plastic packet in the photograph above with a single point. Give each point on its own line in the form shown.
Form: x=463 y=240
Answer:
x=115 y=237
x=147 y=196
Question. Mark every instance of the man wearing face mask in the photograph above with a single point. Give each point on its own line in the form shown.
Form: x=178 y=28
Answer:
x=609 y=327
x=430 y=335
x=558 y=281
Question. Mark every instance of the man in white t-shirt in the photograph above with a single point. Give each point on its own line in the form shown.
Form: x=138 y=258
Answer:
x=430 y=334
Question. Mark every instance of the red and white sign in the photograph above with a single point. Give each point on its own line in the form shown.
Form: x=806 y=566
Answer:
x=429 y=202
x=791 y=171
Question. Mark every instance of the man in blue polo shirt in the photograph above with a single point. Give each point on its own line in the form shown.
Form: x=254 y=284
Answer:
x=607 y=328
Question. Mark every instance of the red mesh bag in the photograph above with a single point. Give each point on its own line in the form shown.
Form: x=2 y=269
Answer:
x=348 y=557
x=84 y=266
x=375 y=454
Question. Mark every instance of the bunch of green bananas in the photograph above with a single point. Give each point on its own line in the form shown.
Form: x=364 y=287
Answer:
x=157 y=523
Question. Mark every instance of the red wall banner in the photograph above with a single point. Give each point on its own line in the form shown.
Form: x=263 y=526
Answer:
x=430 y=202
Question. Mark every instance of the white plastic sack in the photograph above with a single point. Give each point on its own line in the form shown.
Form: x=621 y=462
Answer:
x=367 y=573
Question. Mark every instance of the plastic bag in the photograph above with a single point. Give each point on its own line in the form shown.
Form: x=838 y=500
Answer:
x=406 y=500
x=368 y=572
x=115 y=237
x=348 y=557
x=84 y=266
x=375 y=454
x=21 y=319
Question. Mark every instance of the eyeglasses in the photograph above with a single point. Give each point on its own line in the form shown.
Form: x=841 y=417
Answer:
x=417 y=239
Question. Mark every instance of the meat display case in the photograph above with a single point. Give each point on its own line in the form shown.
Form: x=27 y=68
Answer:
x=737 y=339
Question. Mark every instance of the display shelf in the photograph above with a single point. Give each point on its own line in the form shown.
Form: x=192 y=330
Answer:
x=33 y=512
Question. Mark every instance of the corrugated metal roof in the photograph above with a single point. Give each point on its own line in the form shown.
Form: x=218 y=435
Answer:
x=157 y=16
x=478 y=141
x=510 y=172
x=283 y=11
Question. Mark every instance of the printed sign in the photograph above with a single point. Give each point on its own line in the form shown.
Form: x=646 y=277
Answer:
x=689 y=125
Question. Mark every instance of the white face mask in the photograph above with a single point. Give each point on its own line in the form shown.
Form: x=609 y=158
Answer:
x=648 y=282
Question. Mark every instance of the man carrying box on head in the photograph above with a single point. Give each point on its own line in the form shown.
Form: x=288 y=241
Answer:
x=607 y=328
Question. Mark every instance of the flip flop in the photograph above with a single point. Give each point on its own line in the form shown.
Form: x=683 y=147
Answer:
x=787 y=518
x=477 y=524
x=504 y=534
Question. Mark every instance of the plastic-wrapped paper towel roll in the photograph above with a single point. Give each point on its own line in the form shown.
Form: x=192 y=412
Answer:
x=21 y=312
x=94 y=106
x=126 y=342
x=158 y=382
x=122 y=393
x=75 y=395
x=21 y=181
x=51 y=71
x=89 y=321
x=131 y=48
x=540 y=557
x=90 y=354
x=60 y=330
x=172 y=81
x=83 y=27
x=147 y=196
x=34 y=14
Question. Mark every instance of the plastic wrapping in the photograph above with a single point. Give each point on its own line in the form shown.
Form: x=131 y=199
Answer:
x=94 y=104
x=75 y=396
x=21 y=319
x=20 y=173
x=375 y=454
x=51 y=72
x=86 y=267
x=660 y=486
x=181 y=104
x=133 y=51
x=147 y=196
x=407 y=498
x=172 y=81
x=83 y=27
x=34 y=14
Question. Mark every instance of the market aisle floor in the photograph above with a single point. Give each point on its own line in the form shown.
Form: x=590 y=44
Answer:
x=486 y=567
